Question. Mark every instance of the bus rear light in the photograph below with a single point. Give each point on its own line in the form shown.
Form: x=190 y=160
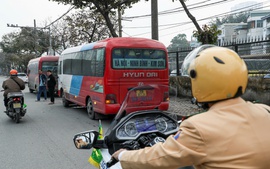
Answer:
x=166 y=97
x=110 y=99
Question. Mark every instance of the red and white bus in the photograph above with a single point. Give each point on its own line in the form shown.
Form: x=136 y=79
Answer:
x=98 y=75
x=43 y=63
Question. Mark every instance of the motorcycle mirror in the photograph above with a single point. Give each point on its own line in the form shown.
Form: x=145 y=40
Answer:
x=85 y=140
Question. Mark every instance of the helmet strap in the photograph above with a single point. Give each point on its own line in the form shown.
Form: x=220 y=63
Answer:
x=204 y=106
x=239 y=92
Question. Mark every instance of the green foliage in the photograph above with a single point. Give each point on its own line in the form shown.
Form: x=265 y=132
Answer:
x=102 y=4
x=208 y=35
x=28 y=41
x=10 y=60
x=8 y=42
x=104 y=8
x=19 y=47
x=86 y=26
x=179 y=41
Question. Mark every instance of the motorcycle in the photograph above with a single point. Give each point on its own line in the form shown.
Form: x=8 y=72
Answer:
x=16 y=108
x=144 y=119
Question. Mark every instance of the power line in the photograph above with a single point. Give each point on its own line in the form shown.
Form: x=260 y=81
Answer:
x=180 y=9
x=60 y=17
x=169 y=10
x=233 y=12
x=207 y=18
x=177 y=31
x=199 y=7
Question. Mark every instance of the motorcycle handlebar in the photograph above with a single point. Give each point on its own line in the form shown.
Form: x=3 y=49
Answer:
x=111 y=162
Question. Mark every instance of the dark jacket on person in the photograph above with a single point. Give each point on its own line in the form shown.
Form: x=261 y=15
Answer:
x=51 y=81
x=13 y=84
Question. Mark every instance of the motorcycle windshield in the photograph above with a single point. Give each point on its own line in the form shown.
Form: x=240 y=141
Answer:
x=146 y=97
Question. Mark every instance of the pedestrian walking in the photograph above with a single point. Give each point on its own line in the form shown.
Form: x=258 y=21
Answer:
x=42 y=86
x=51 y=85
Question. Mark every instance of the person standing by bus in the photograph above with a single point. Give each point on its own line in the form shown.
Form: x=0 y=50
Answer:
x=51 y=85
x=42 y=86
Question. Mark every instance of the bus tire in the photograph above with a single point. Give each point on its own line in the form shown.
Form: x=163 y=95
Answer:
x=90 y=109
x=65 y=102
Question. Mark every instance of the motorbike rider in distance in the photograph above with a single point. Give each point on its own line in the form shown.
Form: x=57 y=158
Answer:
x=12 y=84
x=232 y=133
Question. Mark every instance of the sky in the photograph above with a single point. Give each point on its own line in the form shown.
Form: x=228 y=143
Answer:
x=136 y=21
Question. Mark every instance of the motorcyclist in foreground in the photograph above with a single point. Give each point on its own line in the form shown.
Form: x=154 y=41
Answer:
x=12 y=84
x=232 y=134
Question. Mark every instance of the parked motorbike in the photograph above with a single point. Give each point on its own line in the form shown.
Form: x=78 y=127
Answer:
x=16 y=108
x=143 y=120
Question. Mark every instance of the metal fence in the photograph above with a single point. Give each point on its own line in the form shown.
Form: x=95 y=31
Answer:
x=256 y=53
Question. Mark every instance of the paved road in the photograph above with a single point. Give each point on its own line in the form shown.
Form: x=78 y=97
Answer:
x=43 y=138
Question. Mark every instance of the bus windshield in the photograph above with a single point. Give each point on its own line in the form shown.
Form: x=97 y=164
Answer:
x=49 y=66
x=127 y=58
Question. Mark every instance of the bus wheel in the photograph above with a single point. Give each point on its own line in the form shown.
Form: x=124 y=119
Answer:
x=65 y=101
x=90 y=109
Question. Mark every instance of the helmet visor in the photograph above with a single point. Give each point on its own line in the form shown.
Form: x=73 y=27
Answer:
x=191 y=56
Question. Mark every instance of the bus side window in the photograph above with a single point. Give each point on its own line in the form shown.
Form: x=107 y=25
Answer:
x=100 y=54
x=87 y=63
x=76 y=63
x=100 y=62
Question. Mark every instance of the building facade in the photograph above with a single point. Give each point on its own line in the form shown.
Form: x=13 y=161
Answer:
x=256 y=28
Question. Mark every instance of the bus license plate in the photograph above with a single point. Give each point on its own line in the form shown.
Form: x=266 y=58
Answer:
x=16 y=105
x=140 y=93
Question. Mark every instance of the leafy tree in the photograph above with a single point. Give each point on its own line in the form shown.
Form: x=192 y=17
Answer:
x=60 y=36
x=209 y=35
x=8 y=42
x=18 y=48
x=179 y=41
x=27 y=41
x=13 y=61
x=86 y=26
x=204 y=34
x=104 y=8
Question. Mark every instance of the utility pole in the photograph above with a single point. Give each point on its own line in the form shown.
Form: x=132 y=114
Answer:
x=35 y=36
x=154 y=17
x=51 y=51
x=119 y=21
